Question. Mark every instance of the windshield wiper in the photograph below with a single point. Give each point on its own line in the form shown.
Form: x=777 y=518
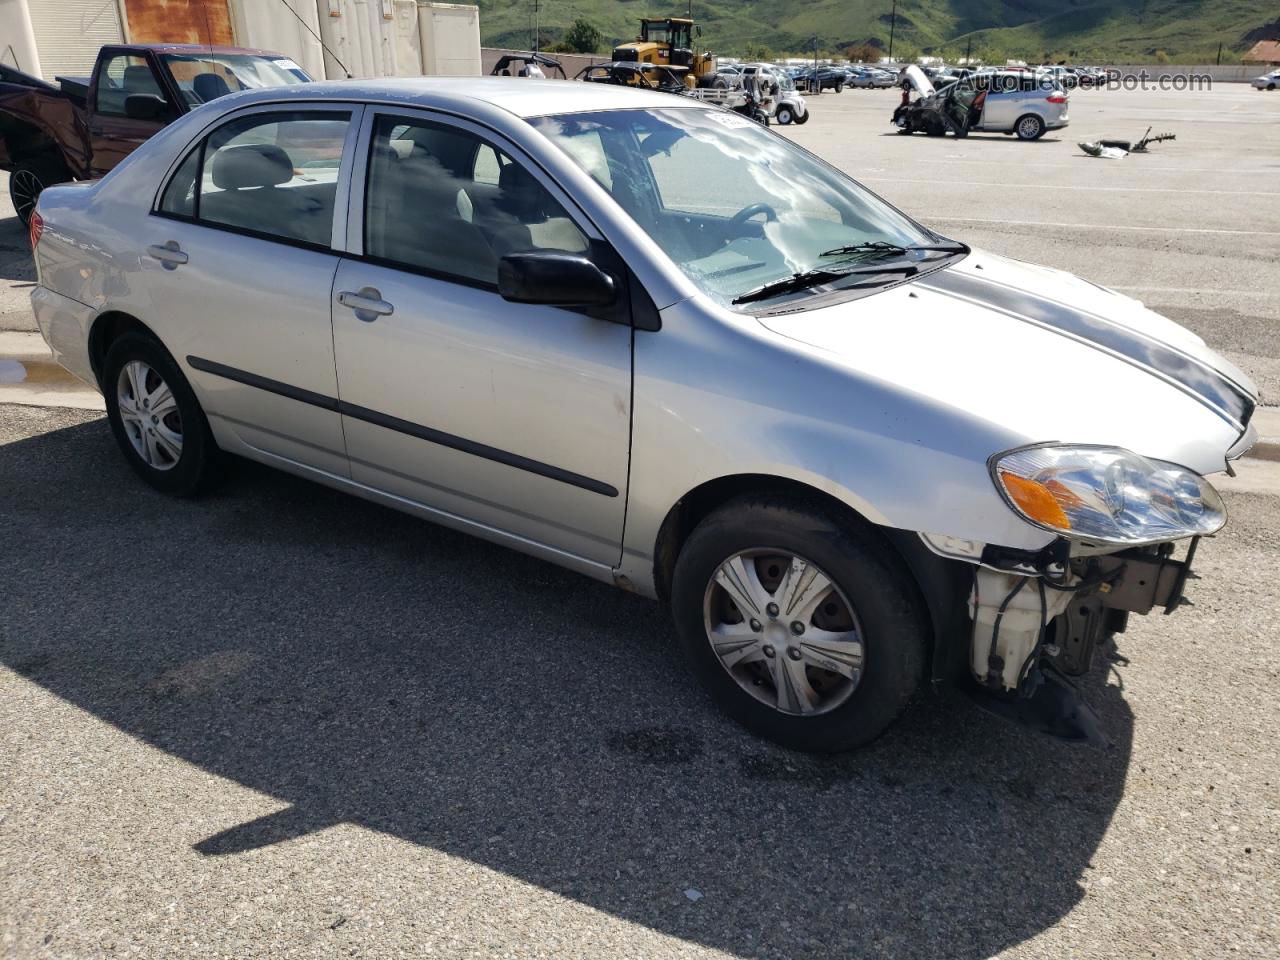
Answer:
x=892 y=249
x=815 y=278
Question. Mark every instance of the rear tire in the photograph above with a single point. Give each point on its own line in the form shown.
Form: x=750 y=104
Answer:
x=802 y=118
x=784 y=116
x=870 y=616
x=156 y=419
x=1029 y=127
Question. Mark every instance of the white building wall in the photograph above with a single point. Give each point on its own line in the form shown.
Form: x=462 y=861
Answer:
x=17 y=38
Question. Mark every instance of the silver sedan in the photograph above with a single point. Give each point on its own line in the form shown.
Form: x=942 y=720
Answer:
x=651 y=341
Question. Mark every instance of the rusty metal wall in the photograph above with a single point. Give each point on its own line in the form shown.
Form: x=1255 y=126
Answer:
x=179 y=21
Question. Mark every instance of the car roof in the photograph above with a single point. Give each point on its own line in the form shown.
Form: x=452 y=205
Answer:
x=196 y=49
x=519 y=96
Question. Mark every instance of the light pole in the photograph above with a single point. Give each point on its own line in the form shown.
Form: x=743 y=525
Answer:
x=537 y=31
x=893 y=22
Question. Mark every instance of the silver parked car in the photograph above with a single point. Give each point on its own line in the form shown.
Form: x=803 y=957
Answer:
x=651 y=341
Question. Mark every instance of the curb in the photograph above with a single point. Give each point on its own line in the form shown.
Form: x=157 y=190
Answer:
x=1267 y=422
x=1265 y=450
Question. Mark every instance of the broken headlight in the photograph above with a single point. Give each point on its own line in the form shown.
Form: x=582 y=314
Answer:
x=1107 y=495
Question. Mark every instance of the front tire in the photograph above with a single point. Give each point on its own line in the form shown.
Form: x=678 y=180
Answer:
x=1029 y=127
x=156 y=419
x=803 y=625
x=784 y=116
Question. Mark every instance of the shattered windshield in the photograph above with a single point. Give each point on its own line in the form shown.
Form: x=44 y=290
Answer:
x=734 y=206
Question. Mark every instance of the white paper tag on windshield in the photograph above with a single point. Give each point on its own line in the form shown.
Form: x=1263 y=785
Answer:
x=285 y=64
x=730 y=119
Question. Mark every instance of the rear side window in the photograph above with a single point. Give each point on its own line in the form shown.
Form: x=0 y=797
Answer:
x=274 y=175
x=119 y=78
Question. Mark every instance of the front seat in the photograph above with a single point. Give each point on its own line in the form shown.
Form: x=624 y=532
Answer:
x=209 y=86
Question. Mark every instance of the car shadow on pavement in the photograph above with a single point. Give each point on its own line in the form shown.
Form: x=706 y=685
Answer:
x=365 y=667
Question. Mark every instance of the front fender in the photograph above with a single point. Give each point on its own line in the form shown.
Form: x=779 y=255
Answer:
x=720 y=396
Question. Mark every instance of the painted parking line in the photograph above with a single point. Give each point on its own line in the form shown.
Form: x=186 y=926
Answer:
x=1146 y=162
x=1056 y=186
x=1105 y=226
x=1207 y=291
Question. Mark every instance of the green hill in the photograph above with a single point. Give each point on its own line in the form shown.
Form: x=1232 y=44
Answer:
x=1085 y=30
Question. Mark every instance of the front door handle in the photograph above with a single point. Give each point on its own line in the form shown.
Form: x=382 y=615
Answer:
x=367 y=302
x=169 y=254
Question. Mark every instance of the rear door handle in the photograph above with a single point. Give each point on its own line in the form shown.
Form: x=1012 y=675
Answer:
x=169 y=254
x=367 y=302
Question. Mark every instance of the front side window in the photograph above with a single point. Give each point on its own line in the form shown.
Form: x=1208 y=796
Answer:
x=271 y=174
x=121 y=77
x=734 y=206
x=442 y=200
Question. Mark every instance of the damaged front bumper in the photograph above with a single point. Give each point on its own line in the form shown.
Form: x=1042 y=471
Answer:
x=1037 y=620
x=1059 y=618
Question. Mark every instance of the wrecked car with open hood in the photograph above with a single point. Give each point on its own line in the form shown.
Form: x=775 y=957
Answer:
x=1013 y=102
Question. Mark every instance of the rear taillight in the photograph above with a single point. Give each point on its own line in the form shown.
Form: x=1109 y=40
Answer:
x=1057 y=98
x=36 y=227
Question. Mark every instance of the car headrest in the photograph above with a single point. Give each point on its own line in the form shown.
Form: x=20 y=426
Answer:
x=251 y=165
x=209 y=86
x=138 y=79
x=520 y=194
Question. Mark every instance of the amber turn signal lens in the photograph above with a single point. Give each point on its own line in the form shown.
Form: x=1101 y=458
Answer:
x=1035 y=500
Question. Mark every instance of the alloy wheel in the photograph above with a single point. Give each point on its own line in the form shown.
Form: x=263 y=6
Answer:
x=149 y=413
x=784 y=631
x=24 y=191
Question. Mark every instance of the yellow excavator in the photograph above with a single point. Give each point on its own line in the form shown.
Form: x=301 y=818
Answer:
x=668 y=42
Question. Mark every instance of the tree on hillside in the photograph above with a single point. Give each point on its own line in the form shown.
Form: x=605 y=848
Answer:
x=583 y=37
x=757 y=51
x=863 y=52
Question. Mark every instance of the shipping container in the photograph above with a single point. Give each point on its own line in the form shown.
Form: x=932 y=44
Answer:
x=359 y=36
x=408 y=39
x=450 y=37
x=289 y=27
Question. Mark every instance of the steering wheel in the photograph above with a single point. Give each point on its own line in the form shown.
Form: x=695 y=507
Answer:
x=746 y=213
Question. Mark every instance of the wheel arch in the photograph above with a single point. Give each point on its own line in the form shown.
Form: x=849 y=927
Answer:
x=25 y=142
x=943 y=584
x=108 y=327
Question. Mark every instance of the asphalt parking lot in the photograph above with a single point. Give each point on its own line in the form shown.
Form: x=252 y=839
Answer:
x=280 y=722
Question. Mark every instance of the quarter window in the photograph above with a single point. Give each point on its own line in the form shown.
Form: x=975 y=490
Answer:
x=442 y=200
x=180 y=196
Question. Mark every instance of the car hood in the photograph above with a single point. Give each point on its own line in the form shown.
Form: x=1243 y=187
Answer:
x=1040 y=355
x=919 y=82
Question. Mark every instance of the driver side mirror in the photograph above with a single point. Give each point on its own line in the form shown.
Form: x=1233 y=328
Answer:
x=555 y=279
x=146 y=106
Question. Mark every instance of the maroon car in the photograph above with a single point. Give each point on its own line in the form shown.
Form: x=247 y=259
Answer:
x=82 y=127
